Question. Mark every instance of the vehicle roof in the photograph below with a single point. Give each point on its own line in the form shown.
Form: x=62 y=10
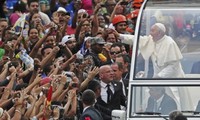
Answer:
x=174 y=3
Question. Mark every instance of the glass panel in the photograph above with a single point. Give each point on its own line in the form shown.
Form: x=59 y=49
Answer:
x=177 y=54
x=162 y=100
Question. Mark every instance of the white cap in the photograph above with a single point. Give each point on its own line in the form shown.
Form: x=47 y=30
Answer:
x=161 y=27
x=79 y=55
x=87 y=38
x=1 y=112
x=111 y=26
x=61 y=9
x=82 y=11
x=66 y=38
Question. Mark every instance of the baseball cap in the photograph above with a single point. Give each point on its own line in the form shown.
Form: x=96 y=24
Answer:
x=62 y=10
x=97 y=40
x=66 y=38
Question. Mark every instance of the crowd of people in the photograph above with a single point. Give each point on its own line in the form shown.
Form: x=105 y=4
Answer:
x=65 y=59
x=68 y=59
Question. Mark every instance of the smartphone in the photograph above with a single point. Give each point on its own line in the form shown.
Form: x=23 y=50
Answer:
x=74 y=85
x=68 y=73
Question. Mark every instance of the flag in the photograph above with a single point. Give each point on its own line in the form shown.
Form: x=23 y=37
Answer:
x=20 y=22
x=49 y=95
x=47 y=101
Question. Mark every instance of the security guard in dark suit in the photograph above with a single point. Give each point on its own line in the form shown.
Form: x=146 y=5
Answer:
x=89 y=112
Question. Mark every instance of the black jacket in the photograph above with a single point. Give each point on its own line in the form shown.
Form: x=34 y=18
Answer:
x=117 y=100
x=91 y=114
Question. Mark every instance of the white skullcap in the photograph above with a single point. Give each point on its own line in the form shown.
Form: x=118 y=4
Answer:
x=1 y=112
x=161 y=26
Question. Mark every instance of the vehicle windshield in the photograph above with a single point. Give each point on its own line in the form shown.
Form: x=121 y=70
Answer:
x=162 y=100
x=175 y=54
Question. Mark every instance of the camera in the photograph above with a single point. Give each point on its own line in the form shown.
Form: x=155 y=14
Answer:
x=68 y=73
x=13 y=63
x=74 y=85
x=10 y=65
x=87 y=34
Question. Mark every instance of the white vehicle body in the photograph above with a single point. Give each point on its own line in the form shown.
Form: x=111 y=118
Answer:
x=182 y=20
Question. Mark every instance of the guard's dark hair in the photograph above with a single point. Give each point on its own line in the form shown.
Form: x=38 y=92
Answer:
x=88 y=97
x=93 y=85
x=119 y=64
x=126 y=58
x=181 y=117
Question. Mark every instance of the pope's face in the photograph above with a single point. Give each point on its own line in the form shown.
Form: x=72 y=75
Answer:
x=155 y=33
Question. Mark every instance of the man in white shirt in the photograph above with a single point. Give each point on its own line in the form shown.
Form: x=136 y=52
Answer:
x=111 y=96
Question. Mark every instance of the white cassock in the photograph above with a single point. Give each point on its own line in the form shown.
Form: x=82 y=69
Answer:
x=165 y=55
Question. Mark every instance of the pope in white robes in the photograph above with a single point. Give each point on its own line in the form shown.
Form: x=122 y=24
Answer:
x=163 y=51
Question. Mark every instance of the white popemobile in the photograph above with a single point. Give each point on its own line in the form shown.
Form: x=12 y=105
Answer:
x=165 y=74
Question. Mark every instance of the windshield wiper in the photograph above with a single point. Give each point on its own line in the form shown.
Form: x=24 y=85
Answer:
x=148 y=113
x=190 y=111
x=152 y=113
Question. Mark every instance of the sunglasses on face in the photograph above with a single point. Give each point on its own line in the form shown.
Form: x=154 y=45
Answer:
x=83 y=16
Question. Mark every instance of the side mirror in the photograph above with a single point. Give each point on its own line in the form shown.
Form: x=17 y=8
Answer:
x=118 y=115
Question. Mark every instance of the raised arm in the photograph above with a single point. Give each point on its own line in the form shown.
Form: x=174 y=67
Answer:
x=50 y=57
x=39 y=43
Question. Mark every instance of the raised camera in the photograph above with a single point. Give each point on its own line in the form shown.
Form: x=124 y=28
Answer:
x=74 y=85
